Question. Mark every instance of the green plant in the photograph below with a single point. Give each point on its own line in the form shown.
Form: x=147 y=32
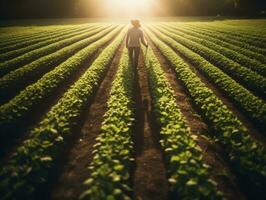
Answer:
x=188 y=175
x=254 y=107
x=225 y=49
x=246 y=155
x=52 y=38
x=16 y=80
x=13 y=112
x=111 y=163
x=250 y=79
x=19 y=61
x=29 y=167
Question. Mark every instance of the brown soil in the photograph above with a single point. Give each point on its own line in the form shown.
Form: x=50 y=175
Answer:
x=31 y=79
x=211 y=152
x=74 y=171
x=254 y=131
x=9 y=146
x=149 y=177
x=21 y=132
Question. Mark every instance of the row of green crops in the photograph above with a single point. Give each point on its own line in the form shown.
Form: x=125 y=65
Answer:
x=53 y=38
x=231 y=30
x=257 y=42
x=17 y=109
x=246 y=155
x=16 y=80
x=29 y=167
x=12 y=39
x=254 y=31
x=188 y=175
x=12 y=32
x=257 y=37
x=216 y=46
x=250 y=79
x=256 y=57
x=36 y=41
x=229 y=40
x=112 y=159
x=19 y=61
x=254 y=107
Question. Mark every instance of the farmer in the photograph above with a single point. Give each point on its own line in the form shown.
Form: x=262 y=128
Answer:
x=134 y=35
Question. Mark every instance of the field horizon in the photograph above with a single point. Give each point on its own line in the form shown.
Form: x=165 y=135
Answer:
x=80 y=120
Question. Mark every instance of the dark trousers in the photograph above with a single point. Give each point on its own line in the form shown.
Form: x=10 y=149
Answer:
x=134 y=55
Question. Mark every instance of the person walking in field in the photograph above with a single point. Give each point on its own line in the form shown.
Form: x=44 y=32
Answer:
x=134 y=37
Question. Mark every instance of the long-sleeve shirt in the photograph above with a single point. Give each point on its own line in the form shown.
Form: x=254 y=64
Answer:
x=134 y=36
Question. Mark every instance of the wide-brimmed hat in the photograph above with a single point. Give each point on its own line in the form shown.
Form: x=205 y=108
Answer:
x=135 y=23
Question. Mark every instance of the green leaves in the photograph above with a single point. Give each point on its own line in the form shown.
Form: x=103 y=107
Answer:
x=188 y=175
x=242 y=55
x=41 y=54
x=112 y=155
x=46 y=159
x=246 y=76
x=248 y=102
x=191 y=182
x=44 y=144
x=21 y=105
x=229 y=131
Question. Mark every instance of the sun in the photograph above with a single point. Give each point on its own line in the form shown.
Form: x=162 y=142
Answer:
x=135 y=3
x=136 y=7
x=128 y=8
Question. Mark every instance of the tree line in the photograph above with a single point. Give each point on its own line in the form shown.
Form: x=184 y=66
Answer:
x=90 y=8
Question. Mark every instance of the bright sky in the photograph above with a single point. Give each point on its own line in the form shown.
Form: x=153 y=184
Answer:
x=129 y=8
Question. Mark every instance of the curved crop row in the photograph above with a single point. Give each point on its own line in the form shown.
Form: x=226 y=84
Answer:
x=254 y=107
x=111 y=162
x=14 y=33
x=213 y=38
x=250 y=79
x=10 y=65
x=246 y=155
x=55 y=38
x=216 y=46
x=188 y=175
x=32 y=40
x=9 y=36
x=13 y=112
x=230 y=40
x=255 y=41
x=254 y=34
x=256 y=29
x=30 y=166
x=16 y=80
x=24 y=36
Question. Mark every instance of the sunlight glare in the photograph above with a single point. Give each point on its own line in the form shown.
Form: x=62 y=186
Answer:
x=129 y=8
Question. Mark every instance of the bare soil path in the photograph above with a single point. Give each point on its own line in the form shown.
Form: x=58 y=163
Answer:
x=149 y=177
x=21 y=132
x=220 y=171
x=74 y=170
x=254 y=130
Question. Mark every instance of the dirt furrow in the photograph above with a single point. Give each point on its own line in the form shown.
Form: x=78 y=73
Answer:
x=212 y=152
x=69 y=184
x=149 y=177
x=8 y=147
x=254 y=130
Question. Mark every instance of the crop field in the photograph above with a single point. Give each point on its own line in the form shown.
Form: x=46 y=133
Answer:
x=79 y=121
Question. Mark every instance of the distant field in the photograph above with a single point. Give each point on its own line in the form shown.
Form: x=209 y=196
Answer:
x=77 y=120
